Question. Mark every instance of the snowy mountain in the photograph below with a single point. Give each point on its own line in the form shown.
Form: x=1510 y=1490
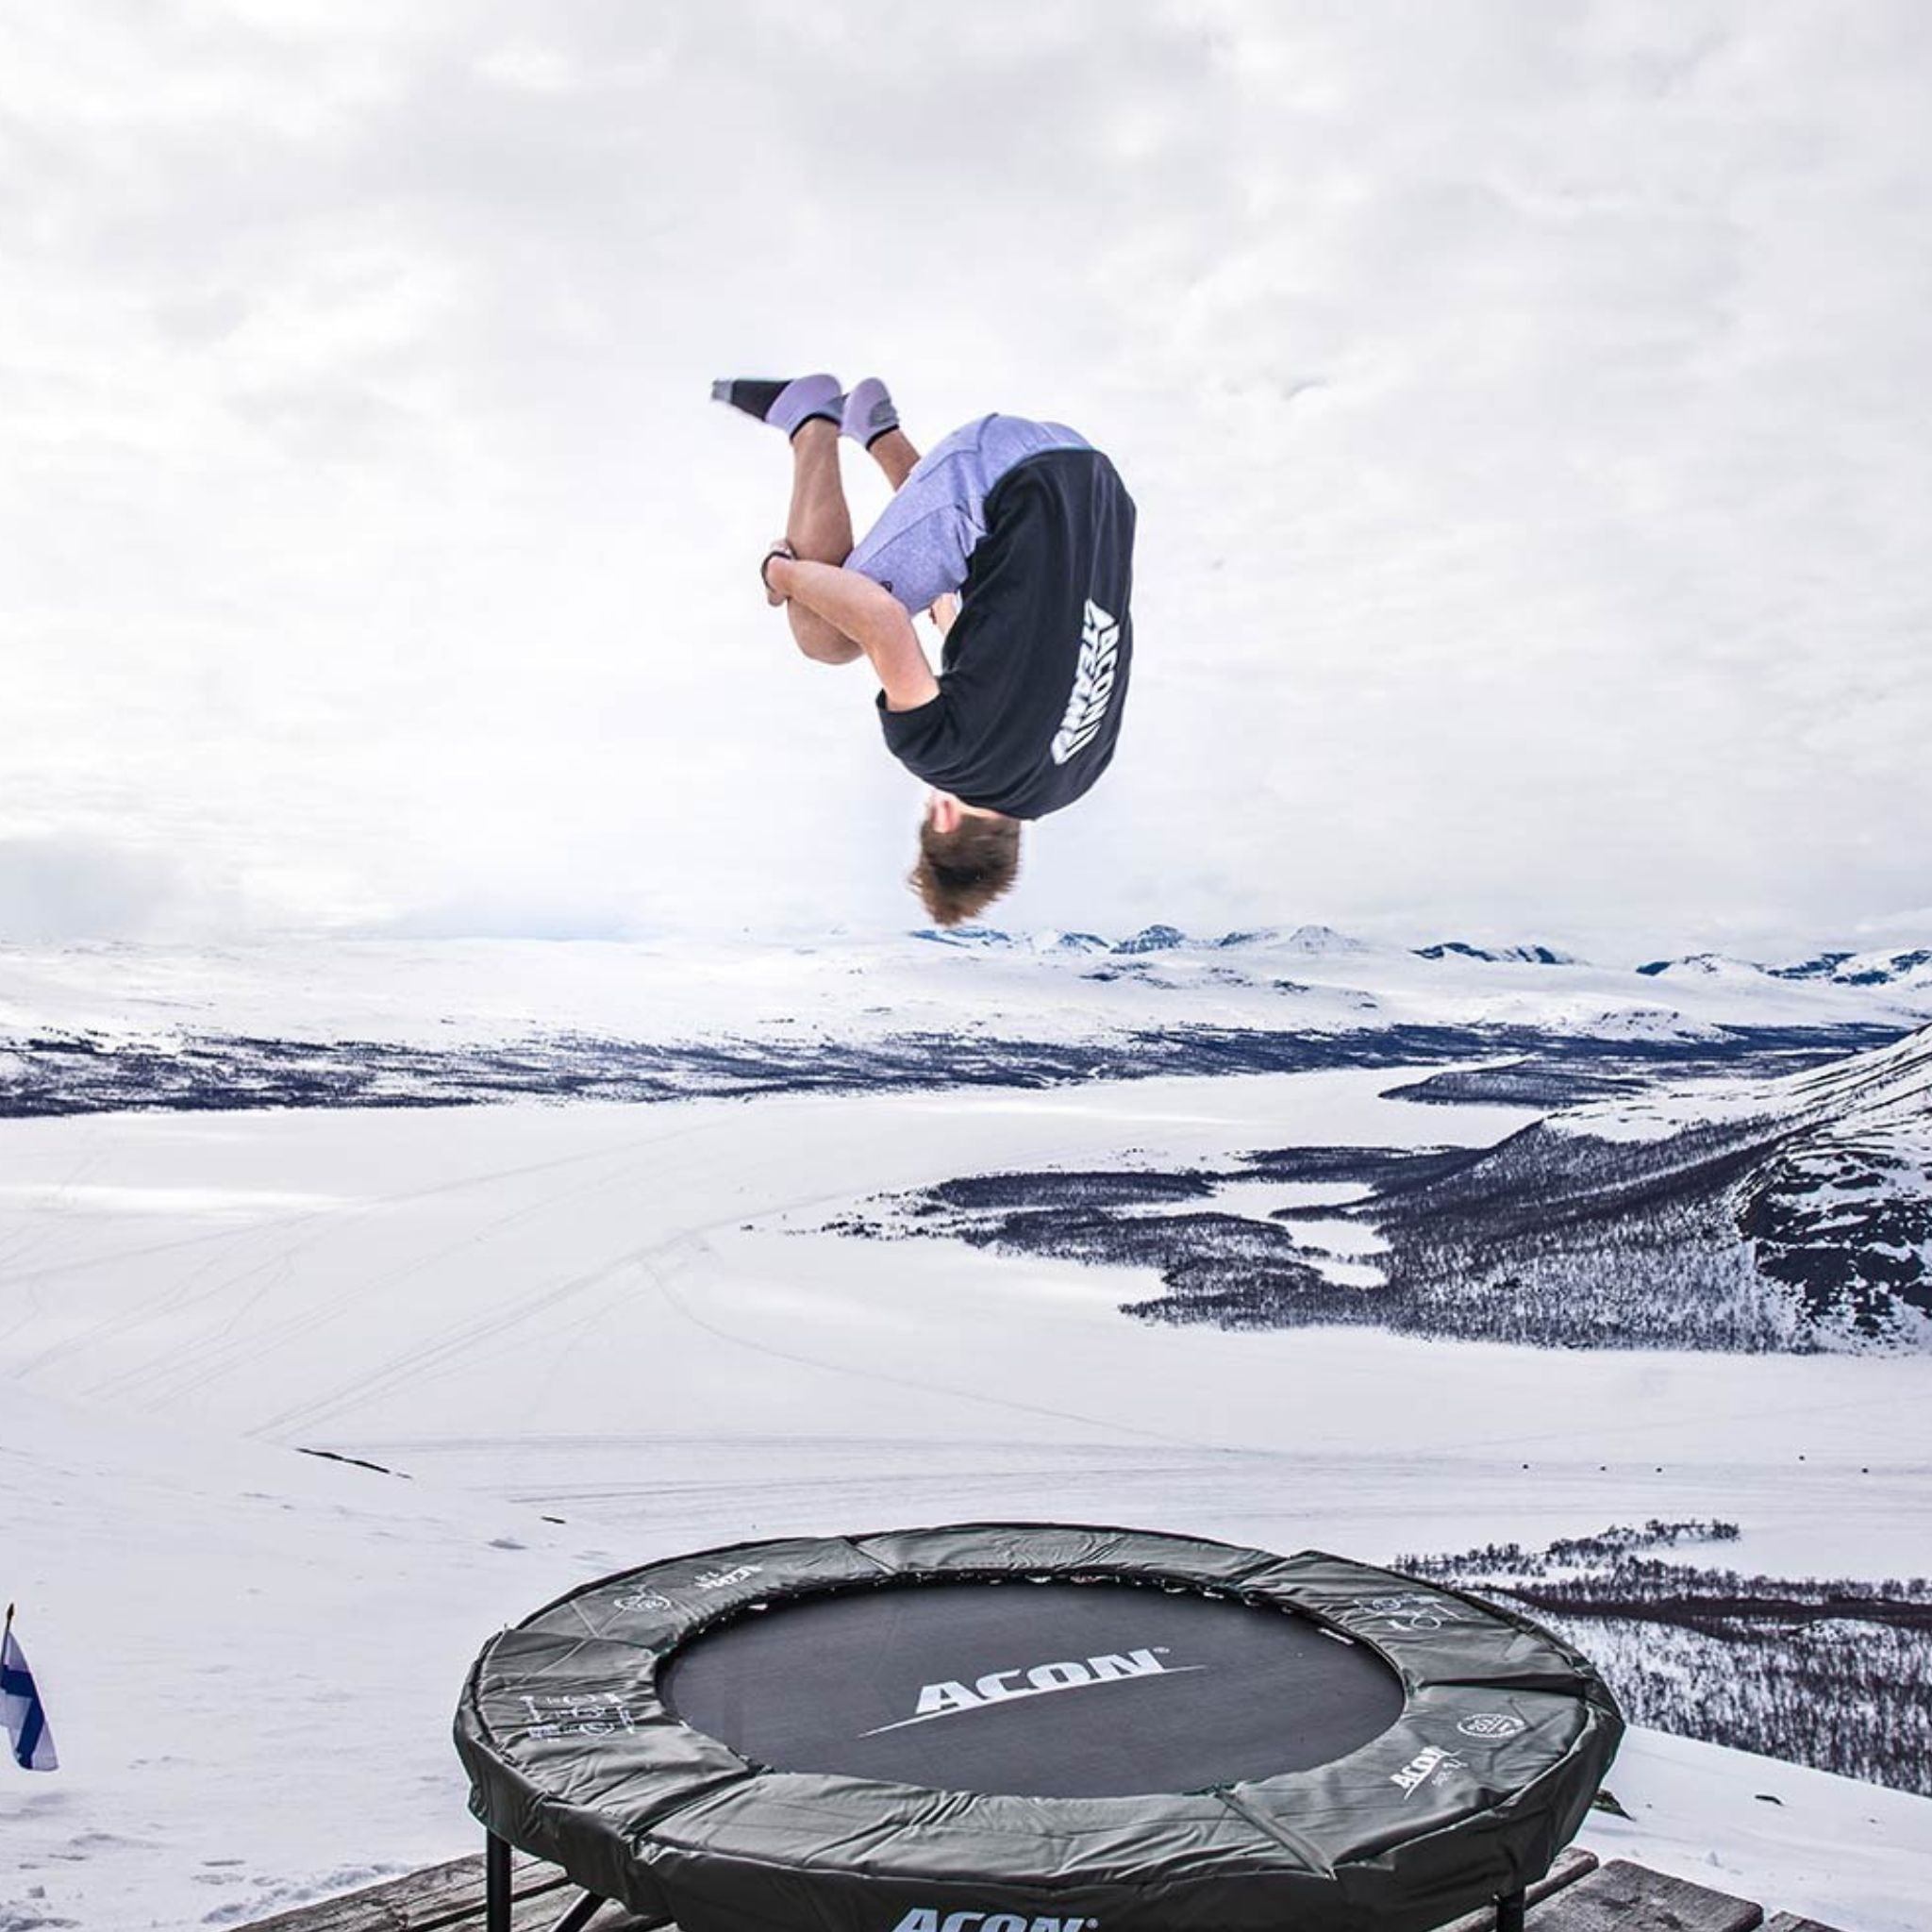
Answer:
x=1785 y=1213
x=395 y=990
x=1532 y=954
x=1832 y=1185
x=1153 y=939
x=384 y=1022
x=1769 y=1215
x=1912 y=969
x=335 y=1023
x=1905 y=972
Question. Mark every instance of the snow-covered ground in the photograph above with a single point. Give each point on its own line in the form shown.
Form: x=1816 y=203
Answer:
x=614 y=1316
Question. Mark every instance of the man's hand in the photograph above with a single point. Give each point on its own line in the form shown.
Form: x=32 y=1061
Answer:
x=782 y=547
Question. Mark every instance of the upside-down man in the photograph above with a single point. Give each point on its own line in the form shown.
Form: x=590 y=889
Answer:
x=1018 y=537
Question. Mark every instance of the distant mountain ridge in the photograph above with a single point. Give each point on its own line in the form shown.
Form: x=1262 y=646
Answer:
x=1894 y=982
x=1905 y=966
x=1161 y=937
x=1902 y=966
x=1531 y=954
x=279 y=1016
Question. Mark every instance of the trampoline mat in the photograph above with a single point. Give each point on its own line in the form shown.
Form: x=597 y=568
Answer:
x=1041 y=1690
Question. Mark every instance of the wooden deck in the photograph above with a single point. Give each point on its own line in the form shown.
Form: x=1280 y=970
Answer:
x=1579 y=1895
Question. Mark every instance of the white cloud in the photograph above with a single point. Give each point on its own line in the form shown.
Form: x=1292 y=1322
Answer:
x=57 y=889
x=1522 y=403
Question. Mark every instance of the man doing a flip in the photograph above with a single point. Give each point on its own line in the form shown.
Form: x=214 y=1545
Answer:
x=1018 y=537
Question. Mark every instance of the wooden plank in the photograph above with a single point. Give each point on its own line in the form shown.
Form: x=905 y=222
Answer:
x=1577 y=1895
x=447 y=1898
x=1570 y=1866
x=1622 y=1897
x=419 y=1901
x=538 y=1914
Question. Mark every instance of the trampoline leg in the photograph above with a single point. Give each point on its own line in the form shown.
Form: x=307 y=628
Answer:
x=496 y=1884
x=1510 y=1912
x=580 y=1914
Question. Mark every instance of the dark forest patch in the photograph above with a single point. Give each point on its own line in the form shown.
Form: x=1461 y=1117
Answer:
x=67 y=1073
x=1834 y=1673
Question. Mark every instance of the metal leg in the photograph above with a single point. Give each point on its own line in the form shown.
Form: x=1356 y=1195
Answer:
x=1510 y=1912
x=580 y=1914
x=496 y=1884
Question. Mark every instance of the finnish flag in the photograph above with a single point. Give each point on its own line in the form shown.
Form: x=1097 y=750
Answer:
x=21 y=1709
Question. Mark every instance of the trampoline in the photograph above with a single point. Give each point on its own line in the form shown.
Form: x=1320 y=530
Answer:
x=1030 y=1729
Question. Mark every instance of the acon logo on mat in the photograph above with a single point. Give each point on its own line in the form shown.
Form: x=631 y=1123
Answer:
x=951 y=1698
x=723 y=1579
x=1423 y=1766
x=929 y=1918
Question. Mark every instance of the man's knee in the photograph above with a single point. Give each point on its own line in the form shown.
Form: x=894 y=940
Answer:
x=823 y=643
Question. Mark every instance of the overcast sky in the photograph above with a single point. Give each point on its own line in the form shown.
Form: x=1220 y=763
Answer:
x=1527 y=403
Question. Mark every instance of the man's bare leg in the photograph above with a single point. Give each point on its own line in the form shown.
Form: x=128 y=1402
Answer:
x=820 y=524
x=893 y=453
x=820 y=531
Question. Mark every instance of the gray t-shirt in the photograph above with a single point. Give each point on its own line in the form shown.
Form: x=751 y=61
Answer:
x=921 y=546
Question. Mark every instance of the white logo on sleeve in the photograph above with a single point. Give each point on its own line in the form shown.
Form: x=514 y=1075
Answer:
x=1100 y=646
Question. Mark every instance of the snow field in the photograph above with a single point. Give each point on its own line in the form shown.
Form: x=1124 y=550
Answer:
x=611 y=1315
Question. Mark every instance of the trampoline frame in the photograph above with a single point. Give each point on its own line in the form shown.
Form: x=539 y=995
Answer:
x=499 y=1903
x=1539 y=1796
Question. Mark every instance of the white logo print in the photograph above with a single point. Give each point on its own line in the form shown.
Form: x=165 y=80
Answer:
x=1492 y=1723
x=1423 y=1766
x=1100 y=644
x=929 y=1918
x=723 y=1579
x=704 y=1579
x=595 y=1714
x=644 y=1600
x=951 y=1698
x=1413 y=1611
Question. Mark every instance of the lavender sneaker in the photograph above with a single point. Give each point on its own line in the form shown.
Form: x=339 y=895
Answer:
x=785 y=405
x=868 y=412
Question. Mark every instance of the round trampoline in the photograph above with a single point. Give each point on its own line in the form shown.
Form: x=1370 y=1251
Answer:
x=1031 y=1728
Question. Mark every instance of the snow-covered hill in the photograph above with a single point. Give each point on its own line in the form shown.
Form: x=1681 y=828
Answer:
x=1785 y=1213
x=1827 y=1173
x=1049 y=985
x=582 y=1335
x=389 y=1022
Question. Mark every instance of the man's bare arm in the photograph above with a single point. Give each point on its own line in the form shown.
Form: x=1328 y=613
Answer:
x=870 y=616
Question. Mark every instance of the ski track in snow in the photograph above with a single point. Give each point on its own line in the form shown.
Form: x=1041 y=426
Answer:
x=612 y=1317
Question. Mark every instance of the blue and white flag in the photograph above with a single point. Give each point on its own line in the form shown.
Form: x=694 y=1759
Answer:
x=22 y=1712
